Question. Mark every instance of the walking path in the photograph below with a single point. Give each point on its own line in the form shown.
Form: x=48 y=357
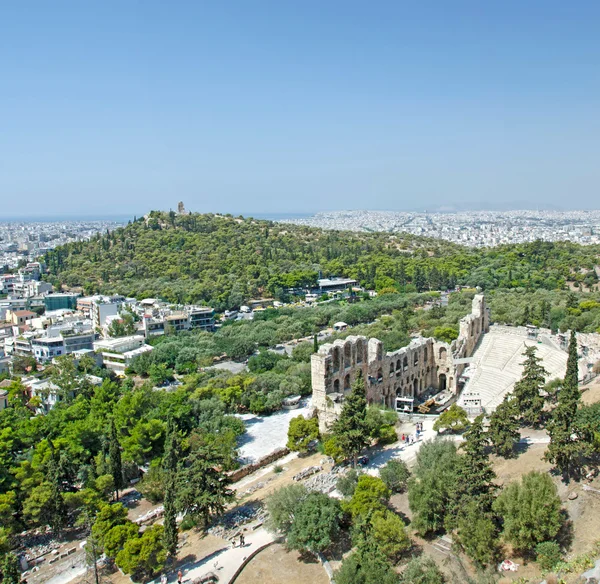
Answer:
x=224 y=562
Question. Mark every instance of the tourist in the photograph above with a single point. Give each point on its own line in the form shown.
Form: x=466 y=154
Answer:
x=164 y=579
x=179 y=577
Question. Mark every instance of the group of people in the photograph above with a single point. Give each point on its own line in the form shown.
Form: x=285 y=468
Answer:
x=412 y=438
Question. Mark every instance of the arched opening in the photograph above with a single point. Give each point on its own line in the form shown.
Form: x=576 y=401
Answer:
x=442 y=382
x=336 y=359
x=442 y=352
x=416 y=359
x=347 y=382
x=336 y=386
x=472 y=328
x=416 y=387
x=392 y=369
x=405 y=363
x=380 y=375
x=425 y=354
x=359 y=352
x=347 y=355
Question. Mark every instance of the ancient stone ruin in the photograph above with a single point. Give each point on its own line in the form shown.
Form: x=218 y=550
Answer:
x=395 y=379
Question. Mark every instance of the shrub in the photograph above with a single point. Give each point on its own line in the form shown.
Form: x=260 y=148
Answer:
x=548 y=554
x=387 y=435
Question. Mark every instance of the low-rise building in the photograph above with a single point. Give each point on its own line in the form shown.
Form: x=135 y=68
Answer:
x=118 y=353
x=61 y=300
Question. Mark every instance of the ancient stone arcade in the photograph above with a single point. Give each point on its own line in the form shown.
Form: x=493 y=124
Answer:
x=395 y=379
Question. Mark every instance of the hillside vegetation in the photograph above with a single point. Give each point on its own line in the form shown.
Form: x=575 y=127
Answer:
x=223 y=261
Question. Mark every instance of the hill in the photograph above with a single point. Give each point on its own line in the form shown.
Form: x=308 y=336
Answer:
x=225 y=260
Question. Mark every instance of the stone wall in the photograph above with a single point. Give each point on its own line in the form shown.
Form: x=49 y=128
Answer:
x=423 y=366
x=247 y=469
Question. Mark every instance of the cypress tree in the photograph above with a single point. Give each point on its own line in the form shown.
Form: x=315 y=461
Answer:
x=57 y=510
x=471 y=501
x=170 y=465
x=315 y=344
x=114 y=459
x=350 y=430
x=565 y=447
x=527 y=390
x=474 y=473
x=503 y=431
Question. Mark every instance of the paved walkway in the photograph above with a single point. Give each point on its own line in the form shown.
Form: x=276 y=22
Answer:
x=224 y=562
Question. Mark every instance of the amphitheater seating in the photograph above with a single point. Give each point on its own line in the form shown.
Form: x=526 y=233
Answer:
x=498 y=361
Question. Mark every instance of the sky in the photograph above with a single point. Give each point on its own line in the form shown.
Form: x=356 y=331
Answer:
x=297 y=106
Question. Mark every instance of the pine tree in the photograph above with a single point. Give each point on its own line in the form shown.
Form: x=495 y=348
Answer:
x=503 y=431
x=350 y=430
x=114 y=459
x=315 y=344
x=10 y=569
x=170 y=465
x=527 y=390
x=565 y=447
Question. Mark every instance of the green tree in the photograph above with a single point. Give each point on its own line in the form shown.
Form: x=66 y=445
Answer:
x=503 y=430
x=144 y=556
x=109 y=516
x=346 y=484
x=474 y=478
x=118 y=536
x=316 y=524
x=530 y=510
x=566 y=447
x=315 y=343
x=422 y=570
x=477 y=533
x=283 y=505
x=10 y=569
x=454 y=419
x=395 y=475
x=389 y=534
x=114 y=459
x=370 y=495
x=203 y=486
x=473 y=496
x=528 y=390
x=367 y=565
x=350 y=429
x=432 y=484
x=301 y=432
x=171 y=464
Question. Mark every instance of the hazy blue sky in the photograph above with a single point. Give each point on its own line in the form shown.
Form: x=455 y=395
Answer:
x=297 y=105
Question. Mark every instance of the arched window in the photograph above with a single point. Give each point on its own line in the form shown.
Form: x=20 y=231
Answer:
x=336 y=386
x=359 y=351
x=416 y=359
x=336 y=359
x=425 y=354
x=347 y=355
x=347 y=382
x=405 y=363
x=442 y=353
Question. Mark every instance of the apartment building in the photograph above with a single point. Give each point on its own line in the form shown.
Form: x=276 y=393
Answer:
x=118 y=353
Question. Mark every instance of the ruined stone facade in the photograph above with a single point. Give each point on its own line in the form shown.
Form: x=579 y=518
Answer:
x=392 y=378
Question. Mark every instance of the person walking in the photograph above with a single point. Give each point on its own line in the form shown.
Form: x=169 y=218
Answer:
x=164 y=579
x=179 y=577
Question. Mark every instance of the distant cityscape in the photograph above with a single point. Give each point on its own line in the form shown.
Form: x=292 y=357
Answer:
x=24 y=241
x=472 y=228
